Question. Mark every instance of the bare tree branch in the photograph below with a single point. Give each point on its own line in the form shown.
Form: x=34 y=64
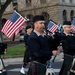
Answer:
x=3 y=7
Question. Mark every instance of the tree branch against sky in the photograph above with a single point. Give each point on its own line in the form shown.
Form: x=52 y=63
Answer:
x=4 y=6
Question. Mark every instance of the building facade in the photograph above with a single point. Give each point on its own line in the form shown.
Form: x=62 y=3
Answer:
x=57 y=10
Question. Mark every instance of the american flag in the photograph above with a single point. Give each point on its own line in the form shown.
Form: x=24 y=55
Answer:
x=18 y=30
x=73 y=24
x=21 y=26
x=52 y=27
x=15 y=22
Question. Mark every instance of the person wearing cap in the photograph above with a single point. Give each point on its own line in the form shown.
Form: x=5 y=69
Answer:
x=28 y=31
x=68 y=44
x=38 y=43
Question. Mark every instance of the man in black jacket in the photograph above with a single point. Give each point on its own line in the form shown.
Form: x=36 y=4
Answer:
x=28 y=31
x=40 y=47
x=38 y=43
x=68 y=43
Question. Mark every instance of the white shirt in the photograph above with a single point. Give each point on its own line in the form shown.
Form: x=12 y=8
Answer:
x=38 y=34
x=68 y=34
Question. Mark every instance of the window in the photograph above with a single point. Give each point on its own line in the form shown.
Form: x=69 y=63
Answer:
x=14 y=2
x=46 y=15
x=64 y=15
x=2 y=1
x=72 y=15
x=70 y=1
x=43 y=1
x=63 y=0
x=30 y=17
x=28 y=2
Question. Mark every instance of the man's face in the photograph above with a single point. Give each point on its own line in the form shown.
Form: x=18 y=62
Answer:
x=67 y=28
x=39 y=26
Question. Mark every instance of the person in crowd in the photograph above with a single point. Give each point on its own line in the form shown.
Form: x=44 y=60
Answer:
x=26 y=59
x=38 y=43
x=67 y=38
x=68 y=44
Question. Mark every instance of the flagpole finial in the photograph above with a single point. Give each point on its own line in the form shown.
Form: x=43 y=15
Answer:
x=26 y=18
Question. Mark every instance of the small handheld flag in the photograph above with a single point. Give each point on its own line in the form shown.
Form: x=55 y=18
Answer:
x=73 y=24
x=15 y=22
x=21 y=26
x=52 y=27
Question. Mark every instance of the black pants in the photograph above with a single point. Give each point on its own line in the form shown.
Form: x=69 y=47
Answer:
x=66 y=65
x=26 y=56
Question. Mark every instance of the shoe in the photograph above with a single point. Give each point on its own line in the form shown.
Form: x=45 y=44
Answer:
x=22 y=70
x=0 y=72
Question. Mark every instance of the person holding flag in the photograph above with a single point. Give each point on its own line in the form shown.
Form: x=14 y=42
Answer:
x=26 y=59
x=68 y=44
x=14 y=24
x=67 y=39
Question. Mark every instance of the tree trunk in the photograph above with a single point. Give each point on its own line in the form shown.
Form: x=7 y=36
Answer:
x=2 y=9
x=1 y=37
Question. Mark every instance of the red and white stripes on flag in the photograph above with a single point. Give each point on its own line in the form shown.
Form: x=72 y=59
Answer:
x=14 y=23
x=21 y=27
x=73 y=27
x=73 y=24
x=18 y=30
x=52 y=27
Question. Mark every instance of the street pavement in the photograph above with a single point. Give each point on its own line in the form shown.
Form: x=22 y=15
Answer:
x=13 y=65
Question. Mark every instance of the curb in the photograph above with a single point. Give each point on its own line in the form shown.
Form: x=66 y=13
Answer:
x=12 y=61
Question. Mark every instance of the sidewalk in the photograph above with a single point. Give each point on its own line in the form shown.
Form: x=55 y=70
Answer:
x=19 y=60
x=13 y=61
x=58 y=58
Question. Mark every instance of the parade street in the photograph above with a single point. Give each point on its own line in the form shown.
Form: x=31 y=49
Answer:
x=14 y=65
